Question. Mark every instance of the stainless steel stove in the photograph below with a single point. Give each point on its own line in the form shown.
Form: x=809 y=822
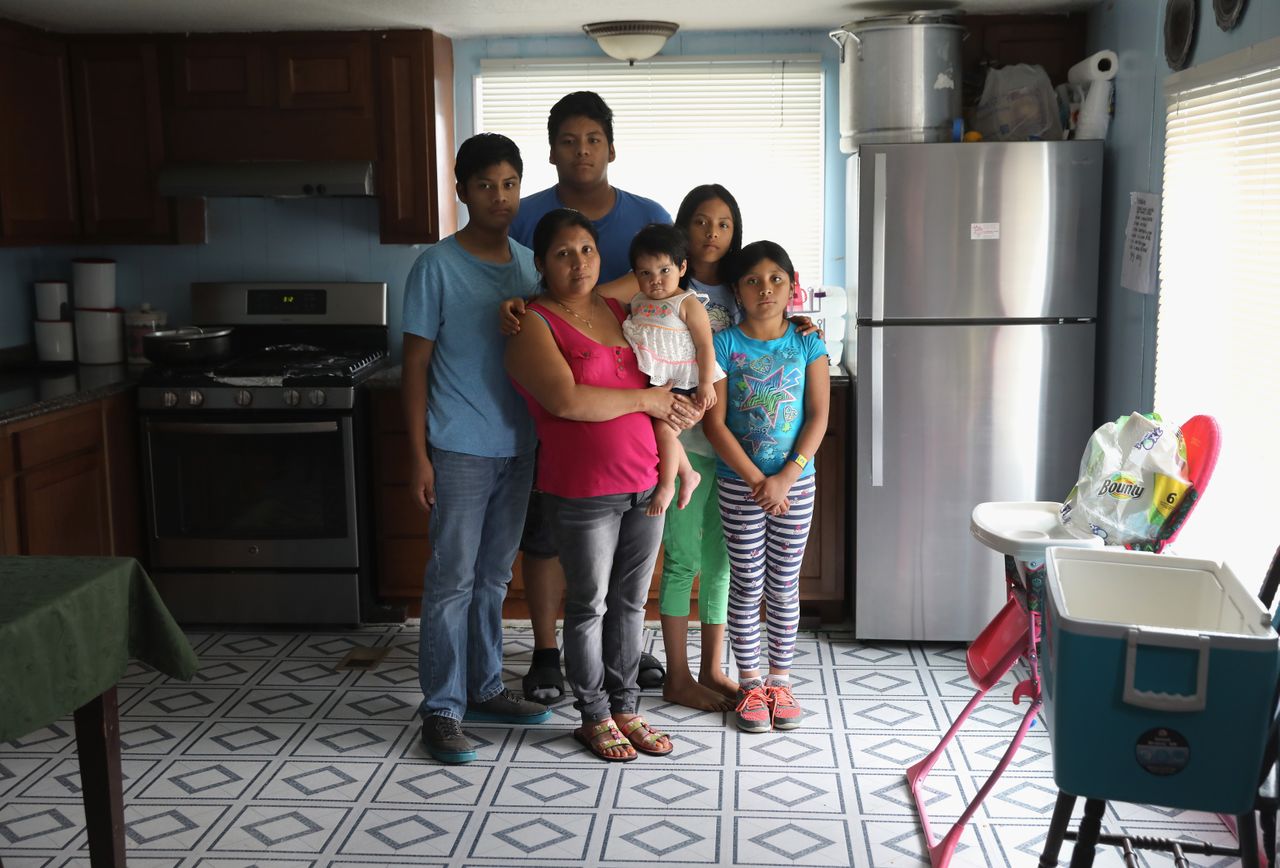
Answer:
x=257 y=502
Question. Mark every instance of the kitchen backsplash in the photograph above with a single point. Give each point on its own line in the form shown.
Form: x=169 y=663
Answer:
x=249 y=239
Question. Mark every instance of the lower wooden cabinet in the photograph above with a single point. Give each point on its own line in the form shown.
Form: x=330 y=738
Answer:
x=68 y=482
x=403 y=543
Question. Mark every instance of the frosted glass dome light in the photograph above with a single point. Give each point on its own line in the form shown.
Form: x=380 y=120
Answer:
x=631 y=40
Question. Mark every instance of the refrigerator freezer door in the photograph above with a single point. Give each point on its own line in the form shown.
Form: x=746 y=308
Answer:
x=978 y=231
x=950 y=416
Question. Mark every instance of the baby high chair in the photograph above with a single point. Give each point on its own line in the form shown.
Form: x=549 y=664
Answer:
x=1022 y=532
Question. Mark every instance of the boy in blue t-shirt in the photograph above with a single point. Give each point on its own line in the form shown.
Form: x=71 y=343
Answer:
x=473 y=446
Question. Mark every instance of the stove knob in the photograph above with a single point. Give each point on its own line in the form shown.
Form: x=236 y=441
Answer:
x=317 y=397
x=194 y=398
x=244 y=398
x=170 y=399
x=292 y=398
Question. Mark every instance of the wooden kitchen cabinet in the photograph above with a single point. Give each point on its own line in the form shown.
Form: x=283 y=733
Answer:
x=271 y=96
x=39 y=196
x=415 y=137
x=402 y=543
x=120 y=145
x=822 y=573
x=68 y=482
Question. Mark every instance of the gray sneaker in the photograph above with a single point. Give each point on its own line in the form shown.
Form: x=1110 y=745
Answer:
x=445 y=740
x=507 y=707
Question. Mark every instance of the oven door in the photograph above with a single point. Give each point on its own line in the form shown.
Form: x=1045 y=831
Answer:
x=251 y=492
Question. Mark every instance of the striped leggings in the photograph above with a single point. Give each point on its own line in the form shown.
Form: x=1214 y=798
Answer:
x=765 y=552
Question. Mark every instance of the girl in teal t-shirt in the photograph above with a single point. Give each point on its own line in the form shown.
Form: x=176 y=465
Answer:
x=768 y=421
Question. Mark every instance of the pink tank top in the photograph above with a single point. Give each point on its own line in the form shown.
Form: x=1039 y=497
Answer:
x=592 y=459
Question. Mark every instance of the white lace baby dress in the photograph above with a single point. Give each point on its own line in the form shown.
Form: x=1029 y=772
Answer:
x=661 y=340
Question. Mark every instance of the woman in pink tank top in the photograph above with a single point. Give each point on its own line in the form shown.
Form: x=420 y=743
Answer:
x=598 y=461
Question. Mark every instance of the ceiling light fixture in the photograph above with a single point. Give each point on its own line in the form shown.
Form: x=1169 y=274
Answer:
x=631 y=40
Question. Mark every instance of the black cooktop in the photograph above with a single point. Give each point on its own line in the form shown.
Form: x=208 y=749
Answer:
x=281 y=365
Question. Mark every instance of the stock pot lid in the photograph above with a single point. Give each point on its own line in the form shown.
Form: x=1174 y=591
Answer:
x=943 y=12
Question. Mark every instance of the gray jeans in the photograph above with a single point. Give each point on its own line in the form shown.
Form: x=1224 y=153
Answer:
x=608 y=547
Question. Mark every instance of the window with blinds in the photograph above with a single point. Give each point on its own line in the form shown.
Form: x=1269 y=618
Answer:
x=1218 y=328
x=753 y=125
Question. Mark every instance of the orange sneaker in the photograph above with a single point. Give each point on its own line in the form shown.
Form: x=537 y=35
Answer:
x=785 y=712
x=753 y=709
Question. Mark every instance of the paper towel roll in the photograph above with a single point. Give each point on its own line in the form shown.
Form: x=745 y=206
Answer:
x=1095 y=112
x=1097 y=67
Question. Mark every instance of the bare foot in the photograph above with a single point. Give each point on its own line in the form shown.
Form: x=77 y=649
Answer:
x=688 y=482
x=689 y=693
x=661 y=498
x=717 y=681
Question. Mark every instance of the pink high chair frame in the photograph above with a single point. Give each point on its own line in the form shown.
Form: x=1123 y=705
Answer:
x=1015 y=632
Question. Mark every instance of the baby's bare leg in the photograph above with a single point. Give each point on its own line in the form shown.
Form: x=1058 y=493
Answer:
x=670 y=454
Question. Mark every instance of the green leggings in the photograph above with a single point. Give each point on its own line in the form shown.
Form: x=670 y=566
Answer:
x=693 y=545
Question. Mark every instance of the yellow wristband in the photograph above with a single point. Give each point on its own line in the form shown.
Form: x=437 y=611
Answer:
x=800 y=460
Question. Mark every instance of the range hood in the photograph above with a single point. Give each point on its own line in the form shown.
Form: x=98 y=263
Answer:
x=276 y=179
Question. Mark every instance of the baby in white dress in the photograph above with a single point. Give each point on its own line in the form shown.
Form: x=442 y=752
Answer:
x=671 y=335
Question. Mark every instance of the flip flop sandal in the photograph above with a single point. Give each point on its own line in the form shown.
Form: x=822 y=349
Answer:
x=598 y=744
x=651 y=674
x=543 y=683
x=645 y=738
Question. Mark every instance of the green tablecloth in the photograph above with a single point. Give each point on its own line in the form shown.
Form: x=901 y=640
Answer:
x=68 y=627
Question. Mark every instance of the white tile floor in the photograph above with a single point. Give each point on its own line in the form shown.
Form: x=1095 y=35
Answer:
x=271 y=757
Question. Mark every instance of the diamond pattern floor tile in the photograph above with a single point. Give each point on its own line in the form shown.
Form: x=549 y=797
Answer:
x=273 y=758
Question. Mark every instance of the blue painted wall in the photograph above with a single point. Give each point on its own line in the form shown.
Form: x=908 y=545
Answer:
x=337 y=239
x=1135 y=162
x=248 y=239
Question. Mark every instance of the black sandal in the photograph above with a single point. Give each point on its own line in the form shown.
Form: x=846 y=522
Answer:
x=544 y=682
x=651 y=674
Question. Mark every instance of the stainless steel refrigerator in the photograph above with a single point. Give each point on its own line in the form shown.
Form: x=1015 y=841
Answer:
x=975 y=269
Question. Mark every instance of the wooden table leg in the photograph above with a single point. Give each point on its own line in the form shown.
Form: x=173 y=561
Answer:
x=101 y=781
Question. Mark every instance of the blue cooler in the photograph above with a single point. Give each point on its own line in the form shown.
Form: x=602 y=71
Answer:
x=1159 y=676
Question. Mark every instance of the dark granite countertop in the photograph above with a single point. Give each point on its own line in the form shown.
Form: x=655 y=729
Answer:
x=389 y=377
x=32 y=391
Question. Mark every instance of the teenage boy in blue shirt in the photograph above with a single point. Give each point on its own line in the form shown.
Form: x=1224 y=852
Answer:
x=473 y=449
x=580 y=130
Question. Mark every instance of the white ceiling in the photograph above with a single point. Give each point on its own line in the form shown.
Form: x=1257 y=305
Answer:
x=466 y=18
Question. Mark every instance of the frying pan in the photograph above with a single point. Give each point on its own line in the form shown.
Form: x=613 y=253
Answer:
x=188 y=345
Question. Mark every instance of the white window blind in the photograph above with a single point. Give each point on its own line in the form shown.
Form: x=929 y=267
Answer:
x=1218 y=328
x=753 y=125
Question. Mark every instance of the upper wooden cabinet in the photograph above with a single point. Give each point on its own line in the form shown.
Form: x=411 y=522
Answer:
x=84 y=140
x=39 y=199
x=415 y=115
x=271 y=96
x=120 y=145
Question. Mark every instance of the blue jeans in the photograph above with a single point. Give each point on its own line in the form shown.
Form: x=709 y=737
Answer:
x=475 y=529
x=608 y=546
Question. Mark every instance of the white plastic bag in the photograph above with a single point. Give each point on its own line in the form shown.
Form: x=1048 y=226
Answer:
x=1132 y=477
x=1018 y=104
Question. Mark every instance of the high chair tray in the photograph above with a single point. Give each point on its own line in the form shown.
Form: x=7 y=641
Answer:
x=1024 y=529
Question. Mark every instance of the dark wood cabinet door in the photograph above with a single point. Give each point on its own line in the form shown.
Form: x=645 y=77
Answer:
x=822 y=573
x=63 y=508
x=415 y=137
x=120 y=141
x=218 y=72
x=325 y=72
x=38 y=195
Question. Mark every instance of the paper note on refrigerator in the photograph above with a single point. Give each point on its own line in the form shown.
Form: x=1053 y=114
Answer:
x=1138 y=272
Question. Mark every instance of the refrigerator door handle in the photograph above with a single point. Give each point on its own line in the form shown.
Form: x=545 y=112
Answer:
x=879 y=204
x=877 y=407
